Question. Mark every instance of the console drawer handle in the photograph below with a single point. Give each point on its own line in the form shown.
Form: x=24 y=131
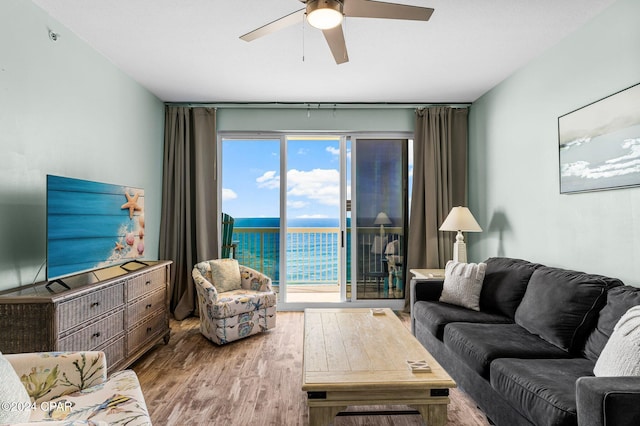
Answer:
x=148 y=306
x=147 y=283
x=95 y=304
x=96 y=334
x=149 y=329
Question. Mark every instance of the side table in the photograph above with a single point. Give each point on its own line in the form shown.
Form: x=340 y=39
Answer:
x=422 y=275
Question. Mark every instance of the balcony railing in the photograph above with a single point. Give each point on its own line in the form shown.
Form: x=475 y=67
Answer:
x=312 y=253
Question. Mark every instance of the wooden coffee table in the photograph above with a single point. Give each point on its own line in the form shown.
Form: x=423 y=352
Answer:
x=352 y=357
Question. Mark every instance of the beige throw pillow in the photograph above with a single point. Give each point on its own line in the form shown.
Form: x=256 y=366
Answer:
x=225 y=274
x=16 y=404
x=621 y=355
x=463 y=284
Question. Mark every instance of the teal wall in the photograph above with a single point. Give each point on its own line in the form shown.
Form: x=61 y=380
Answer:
x=377 y=119
x=67 y=110
x=514 y=189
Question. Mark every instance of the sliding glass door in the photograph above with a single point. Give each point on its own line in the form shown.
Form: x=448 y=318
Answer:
x=381 y=216
x=323 y=215
x=250 y=194
x=312 y=199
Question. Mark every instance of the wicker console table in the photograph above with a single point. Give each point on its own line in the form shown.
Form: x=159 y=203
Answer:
x=121 y=311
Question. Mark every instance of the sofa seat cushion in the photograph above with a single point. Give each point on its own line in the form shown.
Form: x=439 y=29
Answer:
x=619 y=300
x=436 y=315
x=543 y=390
x=505 y=282
x=237 y=302
x=479 y=344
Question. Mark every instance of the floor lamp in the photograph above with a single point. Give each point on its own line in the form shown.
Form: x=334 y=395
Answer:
x=460 y=219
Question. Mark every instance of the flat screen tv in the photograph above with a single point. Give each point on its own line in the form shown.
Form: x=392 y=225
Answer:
x=91 y=225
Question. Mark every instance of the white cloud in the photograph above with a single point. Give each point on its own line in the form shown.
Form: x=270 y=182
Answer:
x=336 y=151
x=620 y=166
x=269 y=180
x=332 y=150
x=228 y=194
x=306 y=186
x=321 y=185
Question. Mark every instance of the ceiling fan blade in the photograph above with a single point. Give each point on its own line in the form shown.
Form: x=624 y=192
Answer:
x=278 y=24
x=376 y=9
x=335 y=39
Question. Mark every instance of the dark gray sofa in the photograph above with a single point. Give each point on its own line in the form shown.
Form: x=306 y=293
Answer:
x=527 y=356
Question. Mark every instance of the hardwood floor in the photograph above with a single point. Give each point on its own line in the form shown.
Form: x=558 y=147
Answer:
x=256 y=380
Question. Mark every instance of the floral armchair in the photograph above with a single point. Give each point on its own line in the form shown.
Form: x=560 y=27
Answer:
x=71 y=388
x=233 y=307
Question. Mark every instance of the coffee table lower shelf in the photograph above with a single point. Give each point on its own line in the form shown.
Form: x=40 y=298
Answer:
x=431 y=404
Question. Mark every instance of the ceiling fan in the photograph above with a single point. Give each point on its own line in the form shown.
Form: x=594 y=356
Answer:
x=327 y=15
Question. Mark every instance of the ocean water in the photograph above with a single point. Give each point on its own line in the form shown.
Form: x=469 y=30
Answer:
x=312 y=248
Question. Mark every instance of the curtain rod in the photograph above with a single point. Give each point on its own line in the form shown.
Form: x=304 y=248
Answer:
x=319 y=105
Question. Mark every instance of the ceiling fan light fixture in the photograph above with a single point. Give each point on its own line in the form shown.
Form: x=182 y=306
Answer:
x=324 y=14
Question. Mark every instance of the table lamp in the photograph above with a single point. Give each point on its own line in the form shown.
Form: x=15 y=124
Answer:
x=382 y=219
x=460 y=219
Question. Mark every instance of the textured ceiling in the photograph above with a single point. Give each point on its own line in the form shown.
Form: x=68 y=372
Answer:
x=190 y=51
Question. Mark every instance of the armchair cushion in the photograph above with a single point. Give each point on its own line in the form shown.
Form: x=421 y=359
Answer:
x=240 y=301
x=12 y=394
x=225 y=274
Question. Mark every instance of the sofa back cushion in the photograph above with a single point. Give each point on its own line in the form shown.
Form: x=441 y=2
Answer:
x=619 y=300
x=561 y=306
x=505 y=282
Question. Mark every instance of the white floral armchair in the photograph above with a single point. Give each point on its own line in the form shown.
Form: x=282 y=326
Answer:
x=71 y=388
x=248 y=308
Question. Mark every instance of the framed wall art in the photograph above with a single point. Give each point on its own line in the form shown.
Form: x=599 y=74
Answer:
x=599 y=144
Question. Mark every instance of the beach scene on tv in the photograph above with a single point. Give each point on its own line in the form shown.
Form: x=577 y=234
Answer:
x=92 y=225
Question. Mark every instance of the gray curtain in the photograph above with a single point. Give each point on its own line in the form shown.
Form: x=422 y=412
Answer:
x=188 y=226
x=439 y=183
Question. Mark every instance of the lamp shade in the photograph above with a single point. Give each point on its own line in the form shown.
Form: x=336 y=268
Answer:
x=324 y=14
x=460 y=219
x=382 y=219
